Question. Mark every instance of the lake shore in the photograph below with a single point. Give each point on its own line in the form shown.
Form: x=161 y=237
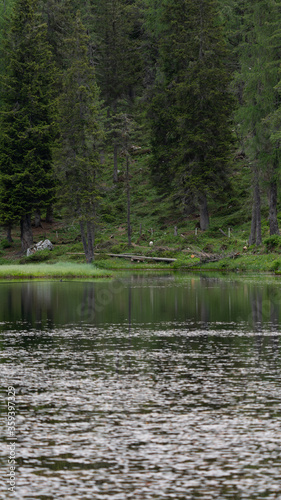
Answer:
x=107 y=268
x=59 y=270
x=267 y=263
x=206 y=251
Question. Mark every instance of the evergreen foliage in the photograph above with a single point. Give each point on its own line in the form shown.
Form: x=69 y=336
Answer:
x=77 y=153
x=117 y=36
x=58 y=16
x=201 y=79
x=192 y=106
x=258 y=76
x=27 y=129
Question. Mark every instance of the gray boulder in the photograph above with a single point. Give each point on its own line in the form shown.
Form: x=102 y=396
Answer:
x=42 y=245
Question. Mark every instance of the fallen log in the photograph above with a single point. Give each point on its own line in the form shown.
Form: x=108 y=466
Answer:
x=140 y=257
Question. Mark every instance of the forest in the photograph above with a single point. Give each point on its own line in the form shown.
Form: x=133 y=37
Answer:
x=110 y=108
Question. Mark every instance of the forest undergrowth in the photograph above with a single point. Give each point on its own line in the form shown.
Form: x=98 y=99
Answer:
x=159 y=228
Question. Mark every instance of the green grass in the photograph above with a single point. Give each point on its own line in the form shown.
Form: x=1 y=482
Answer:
x=247 y=263
x=58 y=270
x=126 y=264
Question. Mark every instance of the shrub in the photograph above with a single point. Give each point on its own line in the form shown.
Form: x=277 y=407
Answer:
x=273 y=243
x=121 y=248
x=5 y=244
x=40 y=256
x=184 y=261
x=109 y=218
x=274 y=266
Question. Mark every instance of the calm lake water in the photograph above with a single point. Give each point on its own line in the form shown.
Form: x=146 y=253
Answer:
x=145 y=387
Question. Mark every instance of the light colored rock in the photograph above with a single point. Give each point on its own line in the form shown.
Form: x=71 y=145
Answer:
x=42 y=245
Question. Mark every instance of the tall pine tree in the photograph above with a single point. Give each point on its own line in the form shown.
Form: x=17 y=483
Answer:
x=192 y=106
x=258 y=76
x=26 y=120
x=117 y=33
x=78 y=155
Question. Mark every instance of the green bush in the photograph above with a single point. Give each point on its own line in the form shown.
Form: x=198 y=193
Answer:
x=40 y=256
x=5 y=244
x=274 y=266
x=121 y=248
x=109 y=218
x=184 y=261
x=273 y=243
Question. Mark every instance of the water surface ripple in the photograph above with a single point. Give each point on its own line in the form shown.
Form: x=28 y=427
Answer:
x=145 y=409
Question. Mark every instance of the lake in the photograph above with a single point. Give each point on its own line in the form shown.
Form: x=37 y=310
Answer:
x=142 y=387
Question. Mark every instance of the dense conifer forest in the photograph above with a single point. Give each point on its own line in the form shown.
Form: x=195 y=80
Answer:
x=117 y=110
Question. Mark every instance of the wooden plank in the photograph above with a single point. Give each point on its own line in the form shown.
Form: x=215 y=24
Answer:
x=130 y=256
x=140 y=257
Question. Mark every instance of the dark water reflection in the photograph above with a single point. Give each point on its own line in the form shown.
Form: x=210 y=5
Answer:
x=144 y=388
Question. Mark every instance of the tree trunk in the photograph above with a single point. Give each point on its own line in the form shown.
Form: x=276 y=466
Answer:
x=9 y=233
x=37 y=218
x=49 y=214
x=26 y=232
x=128 y=204
x=258 y=207
x=252 y=238
x=84 y=239
x=204 y=214
x=255 y=236
x=90 y=242
x=115 y=163
x=273 y=222
x=87 y=241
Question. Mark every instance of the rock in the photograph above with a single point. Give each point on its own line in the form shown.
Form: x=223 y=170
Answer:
x=42 y=245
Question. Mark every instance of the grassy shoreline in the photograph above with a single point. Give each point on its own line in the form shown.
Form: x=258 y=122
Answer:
x=57 y=270
x=265 y=263
x=268 y=263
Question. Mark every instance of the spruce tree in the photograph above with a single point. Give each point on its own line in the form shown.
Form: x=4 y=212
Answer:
x=77 y=154
x=5 y=12
x=26 y=120
x=192 y=105
x=116 y=30
x=258 y=76
x=58 y=15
